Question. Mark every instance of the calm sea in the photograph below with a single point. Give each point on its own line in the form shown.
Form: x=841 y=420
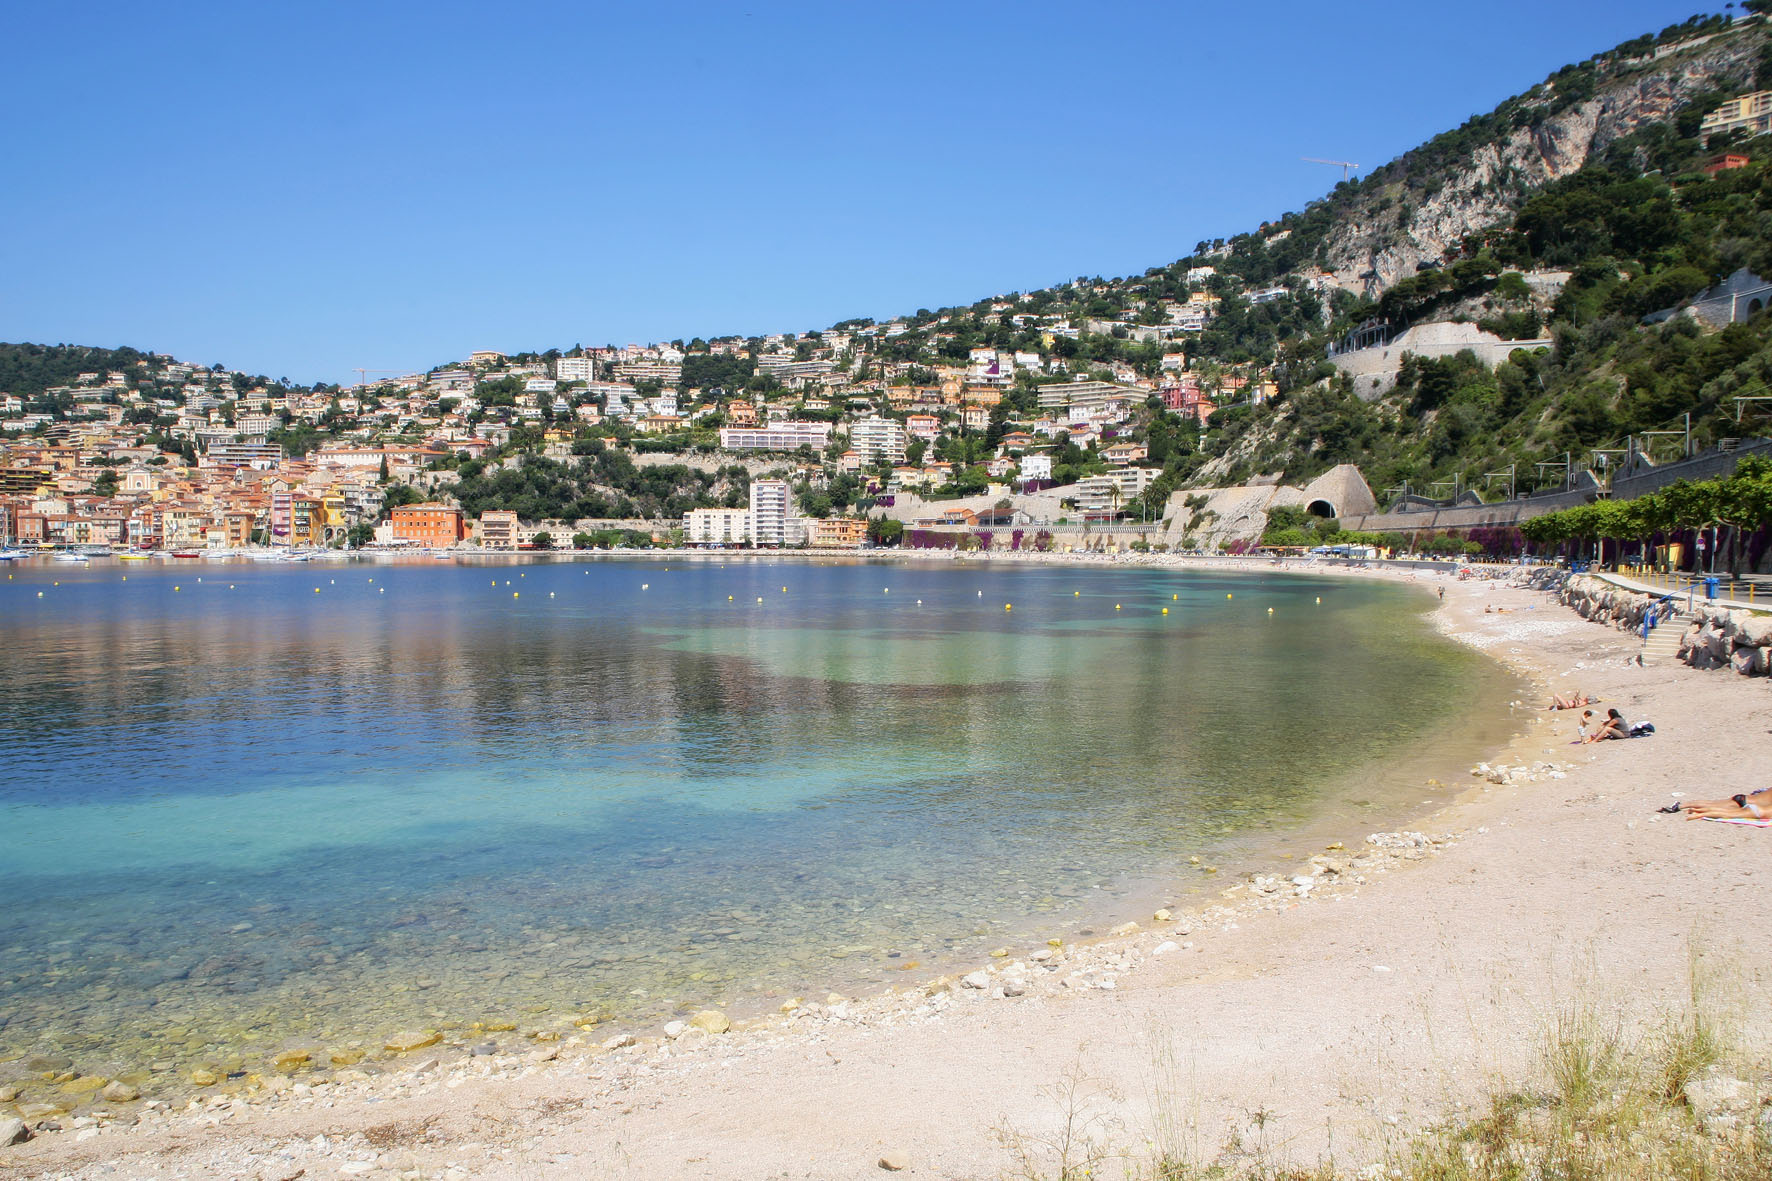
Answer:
x=247 y=805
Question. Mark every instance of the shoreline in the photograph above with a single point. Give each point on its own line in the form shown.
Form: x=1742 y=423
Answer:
x=1101 y=969
x=1171 y=883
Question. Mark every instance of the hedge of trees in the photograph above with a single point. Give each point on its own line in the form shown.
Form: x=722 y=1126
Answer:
x=1737 y=507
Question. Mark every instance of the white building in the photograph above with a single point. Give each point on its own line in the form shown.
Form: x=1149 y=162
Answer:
x=1036 y=467
x=777 y=436
x=1113 y=491
x=876 y=439
x=772 y=516
x=575 y=369
x=717 y=526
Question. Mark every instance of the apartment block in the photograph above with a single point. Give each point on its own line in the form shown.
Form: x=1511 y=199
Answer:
x=876 y=439
x=717 y=526
x=777 y=436
x=1751 y=113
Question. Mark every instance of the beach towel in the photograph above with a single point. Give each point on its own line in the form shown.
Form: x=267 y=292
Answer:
x=1739 y=820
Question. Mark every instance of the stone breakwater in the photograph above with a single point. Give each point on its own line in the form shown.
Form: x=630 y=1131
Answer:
x=44 y=1096
x=1714 y=637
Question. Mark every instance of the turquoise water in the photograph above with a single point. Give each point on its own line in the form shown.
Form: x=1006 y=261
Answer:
x=247 y=805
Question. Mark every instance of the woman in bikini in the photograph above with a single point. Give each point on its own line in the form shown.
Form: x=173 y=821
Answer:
x=1754 y=805
x=1575 y=700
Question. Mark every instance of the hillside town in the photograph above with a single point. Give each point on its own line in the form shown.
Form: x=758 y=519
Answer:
x=808 y=434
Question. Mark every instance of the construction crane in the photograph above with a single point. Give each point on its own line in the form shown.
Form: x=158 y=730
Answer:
x=363 y=374
x=1344 y=165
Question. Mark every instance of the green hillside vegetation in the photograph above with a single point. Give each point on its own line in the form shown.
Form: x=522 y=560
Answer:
x=1635 y=244
x=603 y=482
x=28 y=370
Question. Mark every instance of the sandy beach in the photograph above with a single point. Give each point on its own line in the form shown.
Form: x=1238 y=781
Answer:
x=1320 y=1009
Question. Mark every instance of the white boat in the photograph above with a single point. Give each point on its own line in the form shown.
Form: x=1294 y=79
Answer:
x=13 y=555
x=71 y=556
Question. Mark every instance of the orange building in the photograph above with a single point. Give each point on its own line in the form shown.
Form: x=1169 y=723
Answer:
x=836 y=532
x=428 y=524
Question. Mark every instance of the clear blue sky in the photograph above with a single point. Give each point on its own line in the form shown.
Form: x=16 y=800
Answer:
x=298 y=189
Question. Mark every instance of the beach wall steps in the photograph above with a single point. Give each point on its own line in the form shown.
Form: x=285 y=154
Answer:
x=1662 y=645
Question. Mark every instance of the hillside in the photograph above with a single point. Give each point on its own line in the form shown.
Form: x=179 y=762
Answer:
x=1566 y=218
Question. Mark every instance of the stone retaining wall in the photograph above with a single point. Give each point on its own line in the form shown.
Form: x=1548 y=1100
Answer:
x=1715 y=637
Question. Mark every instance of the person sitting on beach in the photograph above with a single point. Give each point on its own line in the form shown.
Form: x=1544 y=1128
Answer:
x=1575 y=700
x=1612 y=726
x=1753 y=805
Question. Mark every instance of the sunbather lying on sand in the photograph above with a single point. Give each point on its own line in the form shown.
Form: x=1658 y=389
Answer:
x=1575 y=700
x=1745 y=806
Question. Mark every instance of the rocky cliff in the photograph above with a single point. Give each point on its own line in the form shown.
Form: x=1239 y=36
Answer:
x=1416 y=208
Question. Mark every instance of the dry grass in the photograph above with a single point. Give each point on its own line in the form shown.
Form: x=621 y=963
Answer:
x=1608 y=1106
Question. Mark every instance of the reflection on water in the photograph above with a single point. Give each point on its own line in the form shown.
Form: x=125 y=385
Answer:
x=328 y=802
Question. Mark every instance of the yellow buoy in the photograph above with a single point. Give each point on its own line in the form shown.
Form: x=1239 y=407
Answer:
x=316 y=590
x=759 y=598
x=1165 y=610
x=1319 y=598
x=1116 y=606
x=1005 y=606
x=1270 y=610
x=1175 y=598
x=728 y=598
x=514 y=594
x=175 y=588
x=1227 y=596
x=40 y=593
x=784 y=590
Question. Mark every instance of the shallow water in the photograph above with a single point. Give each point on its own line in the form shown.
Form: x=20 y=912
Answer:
x=319 y=804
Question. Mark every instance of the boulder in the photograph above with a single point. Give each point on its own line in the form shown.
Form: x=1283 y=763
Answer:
x=711 y=1020
x=203 y=1077
x=403 y=1043
x=13 y=1131
x=120 y=1092
x=1754 y=630
x=36 y=1111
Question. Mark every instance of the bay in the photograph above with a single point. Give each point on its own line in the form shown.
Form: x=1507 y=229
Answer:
x=245 y=805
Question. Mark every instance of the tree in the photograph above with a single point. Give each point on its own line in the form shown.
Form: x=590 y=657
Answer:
x=581 y=541
x=884 y=531
x=543 y=540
